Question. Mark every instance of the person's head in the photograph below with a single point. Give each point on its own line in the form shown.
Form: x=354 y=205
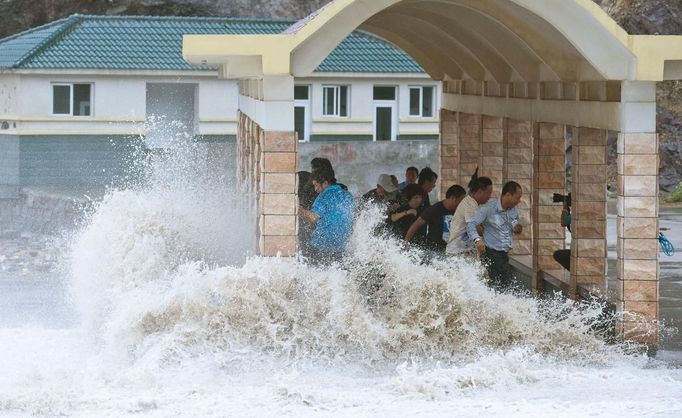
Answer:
x=322 y=178
x=303 y=179
x=453 y=196
x=414 y=194
x=319 y=163
x=511 y=195
x=427 y=179
x=411 y=175
x=385 y=186
x=481 y=189
x=473 y=179
x=395 y=181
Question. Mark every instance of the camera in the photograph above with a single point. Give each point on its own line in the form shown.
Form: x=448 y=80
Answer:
x=557 y=198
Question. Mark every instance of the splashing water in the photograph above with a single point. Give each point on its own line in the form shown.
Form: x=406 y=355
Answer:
x=177 y=317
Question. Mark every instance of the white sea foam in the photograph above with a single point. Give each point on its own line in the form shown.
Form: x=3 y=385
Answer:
x=179 y=318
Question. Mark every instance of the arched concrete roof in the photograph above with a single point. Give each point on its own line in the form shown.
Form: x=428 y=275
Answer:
x=501 y=40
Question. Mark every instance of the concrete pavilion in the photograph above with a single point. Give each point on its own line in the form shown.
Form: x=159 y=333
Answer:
x=519 y=76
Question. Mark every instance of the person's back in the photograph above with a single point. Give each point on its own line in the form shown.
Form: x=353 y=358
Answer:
x=459 y=241
x=334 y=206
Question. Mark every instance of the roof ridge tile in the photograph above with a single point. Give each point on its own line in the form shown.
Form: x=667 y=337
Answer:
x=68 y=24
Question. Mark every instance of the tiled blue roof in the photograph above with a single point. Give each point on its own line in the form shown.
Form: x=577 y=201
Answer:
x=155 y=43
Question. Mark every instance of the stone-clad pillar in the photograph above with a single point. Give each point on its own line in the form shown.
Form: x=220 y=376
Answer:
x=469 y=146
x=278 y=203
x=518 y=167
x=449 y=150
x=492 y=151
x=267 y=160
x=637 y=267
x=637 y=247
x=549 y=177
x=588 y=213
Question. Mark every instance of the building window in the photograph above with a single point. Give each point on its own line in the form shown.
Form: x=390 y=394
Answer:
x=422 y=101
x=301 y=92
x=384 y=93
x=72 y=99
x=335 y=101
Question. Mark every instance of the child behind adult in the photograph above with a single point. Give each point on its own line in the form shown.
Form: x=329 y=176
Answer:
x=434 y=216
x=402 y=218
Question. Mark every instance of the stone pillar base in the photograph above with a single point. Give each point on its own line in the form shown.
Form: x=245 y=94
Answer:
x=549 y=177
x=267 y=171
x=637 y=268
x=588 y=226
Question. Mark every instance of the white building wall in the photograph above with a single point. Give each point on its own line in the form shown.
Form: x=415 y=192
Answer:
x=119 y=104
x=361 y=110
x=9 y=94
x=217 y=106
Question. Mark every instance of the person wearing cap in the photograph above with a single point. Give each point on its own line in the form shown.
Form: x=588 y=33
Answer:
x=383 y=194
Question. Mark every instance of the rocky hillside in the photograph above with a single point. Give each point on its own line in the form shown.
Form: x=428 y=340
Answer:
x=658 y=17
x=636 y=16
x=18 y=15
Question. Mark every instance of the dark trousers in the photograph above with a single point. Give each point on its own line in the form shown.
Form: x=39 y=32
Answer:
x=497 y=264
x=563 y=257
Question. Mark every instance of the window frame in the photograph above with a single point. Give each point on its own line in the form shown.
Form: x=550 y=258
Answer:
x=336 y=88
x=306 y=105
x=307 y=86
x=392 y=86
x=421 y=88
x=71 y=85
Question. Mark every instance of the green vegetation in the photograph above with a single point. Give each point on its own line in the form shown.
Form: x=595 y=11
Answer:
x=675 y=196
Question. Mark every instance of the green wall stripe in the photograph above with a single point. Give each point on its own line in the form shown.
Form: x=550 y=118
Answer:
x=417 y=137
x=323 y=138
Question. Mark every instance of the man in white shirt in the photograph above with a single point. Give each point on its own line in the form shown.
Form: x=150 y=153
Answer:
x=459 y=241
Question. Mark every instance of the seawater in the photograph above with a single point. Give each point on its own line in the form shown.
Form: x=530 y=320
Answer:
x=171 y=314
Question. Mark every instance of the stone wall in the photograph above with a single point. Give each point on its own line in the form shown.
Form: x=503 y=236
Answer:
x=358 y=164
x=518 y=153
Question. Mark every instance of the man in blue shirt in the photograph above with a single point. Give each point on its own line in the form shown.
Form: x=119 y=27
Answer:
x=332 y=215
x=411 y=175
x=500 y=219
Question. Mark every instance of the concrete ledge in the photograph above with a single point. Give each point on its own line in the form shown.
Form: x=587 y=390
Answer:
x=522 y=266
x=553 y=280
